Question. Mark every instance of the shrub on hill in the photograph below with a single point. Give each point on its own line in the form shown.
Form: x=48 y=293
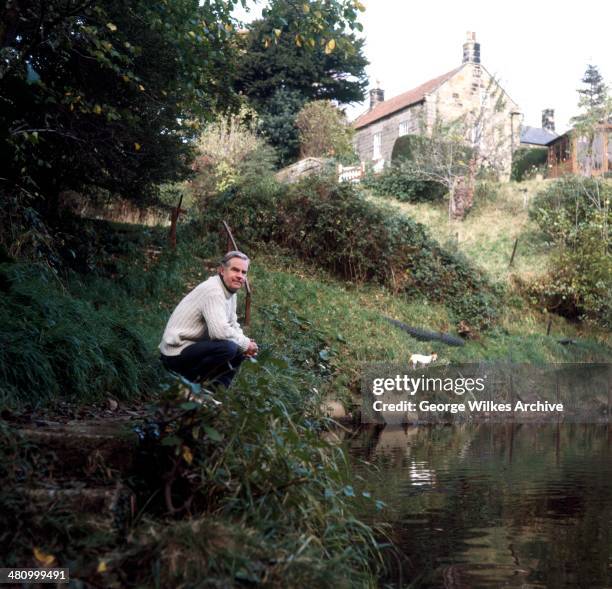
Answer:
x=397 y=181
x=527 y=162
x=574 y=214
x=333 y=226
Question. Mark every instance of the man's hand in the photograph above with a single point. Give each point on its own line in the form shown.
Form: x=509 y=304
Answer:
x=252 y=349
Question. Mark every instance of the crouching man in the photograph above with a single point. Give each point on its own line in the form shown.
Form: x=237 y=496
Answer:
x=203 y=340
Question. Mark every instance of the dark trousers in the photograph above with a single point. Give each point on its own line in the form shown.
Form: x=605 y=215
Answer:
x=217 y=361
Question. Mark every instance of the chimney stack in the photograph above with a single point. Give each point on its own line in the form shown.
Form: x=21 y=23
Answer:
x=471 y=49
x=377 y=95
x=548 y=119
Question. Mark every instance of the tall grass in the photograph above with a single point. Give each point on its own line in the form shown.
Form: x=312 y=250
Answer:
x=54 y=346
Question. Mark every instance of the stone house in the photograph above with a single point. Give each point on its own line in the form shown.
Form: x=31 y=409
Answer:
x=488 y=117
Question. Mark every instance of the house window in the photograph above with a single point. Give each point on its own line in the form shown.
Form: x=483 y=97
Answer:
x=377 y=144
x=403 y=128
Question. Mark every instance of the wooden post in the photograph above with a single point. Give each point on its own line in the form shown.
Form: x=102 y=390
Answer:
x=231 y=245
x=513 y=253
x=173 y=222
x=549 y=326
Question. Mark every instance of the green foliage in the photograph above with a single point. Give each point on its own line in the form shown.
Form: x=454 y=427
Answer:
x=260 y=457
x=569 y=204
x=423 y=168
x=56 y=346
x=102 y=94
x=277 y=123
x=443 y=156
x=398 y=182
x=486 y=191
x=527 y=162
x=324 y=131
x=328 y=65
x=595 y=109
x=229 y=152
x=593 y=100
x=324 y=222
x=283 y=65
x=405 y=147
x=89 y=326
x=574 y=214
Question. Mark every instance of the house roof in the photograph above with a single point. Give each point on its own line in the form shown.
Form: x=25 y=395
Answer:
x=402 y=101
x=537 y=136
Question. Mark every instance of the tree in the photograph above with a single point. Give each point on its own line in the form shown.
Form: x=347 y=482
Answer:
x=228 y=152
x=596 y=108
x=324 y=131
x=595 y=92
x=278 y=125
x=446 y=159
x=106 y=94
x=276 y=56
x=111 y=95
x=574 y=214
x=456 y=151
x=280 y=68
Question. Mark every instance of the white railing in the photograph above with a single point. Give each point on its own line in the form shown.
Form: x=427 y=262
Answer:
x=351 y=173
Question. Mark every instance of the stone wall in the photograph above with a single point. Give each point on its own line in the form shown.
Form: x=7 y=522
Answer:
x=300 y=169
x=389 y=128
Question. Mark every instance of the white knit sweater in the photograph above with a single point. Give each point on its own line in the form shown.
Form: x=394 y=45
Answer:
x=208 y=312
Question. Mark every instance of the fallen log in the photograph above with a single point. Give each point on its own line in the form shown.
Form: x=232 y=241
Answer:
x=424 y=336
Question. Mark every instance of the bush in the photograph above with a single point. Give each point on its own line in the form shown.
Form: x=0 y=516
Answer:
x=324 y=131
x=527 y=162
x=334 y=227
x=566 y=206
x=406 y=145
x=260 y=457
x=574 y=214
x=229 y=151
x=397 y=181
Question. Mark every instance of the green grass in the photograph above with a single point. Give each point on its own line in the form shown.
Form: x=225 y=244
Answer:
x=488 y=233
x=305 y=312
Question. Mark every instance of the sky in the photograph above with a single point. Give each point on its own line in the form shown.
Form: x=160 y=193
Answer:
x=537 y=49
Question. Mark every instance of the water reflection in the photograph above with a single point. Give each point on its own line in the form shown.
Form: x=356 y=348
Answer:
x=488 y=505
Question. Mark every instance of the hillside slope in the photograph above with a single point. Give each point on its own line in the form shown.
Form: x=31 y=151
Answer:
x=488 y=233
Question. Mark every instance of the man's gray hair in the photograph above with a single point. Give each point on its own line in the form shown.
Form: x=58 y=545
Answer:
x=234 y=254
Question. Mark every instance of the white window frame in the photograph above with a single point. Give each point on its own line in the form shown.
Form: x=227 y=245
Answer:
x=377 y=145
x=403 y=128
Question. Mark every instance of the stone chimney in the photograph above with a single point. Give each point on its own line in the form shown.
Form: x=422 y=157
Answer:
x=377 y=95
x=548 y=119
x=471 y=49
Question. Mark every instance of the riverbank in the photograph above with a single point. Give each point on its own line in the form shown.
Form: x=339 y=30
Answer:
x=252 y=485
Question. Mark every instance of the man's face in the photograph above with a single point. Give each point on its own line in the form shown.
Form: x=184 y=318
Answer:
x=234 y=275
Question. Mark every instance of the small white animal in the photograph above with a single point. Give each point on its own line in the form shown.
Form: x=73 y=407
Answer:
x=417 y=359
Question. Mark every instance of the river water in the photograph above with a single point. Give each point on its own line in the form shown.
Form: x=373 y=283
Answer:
x=491 y=505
